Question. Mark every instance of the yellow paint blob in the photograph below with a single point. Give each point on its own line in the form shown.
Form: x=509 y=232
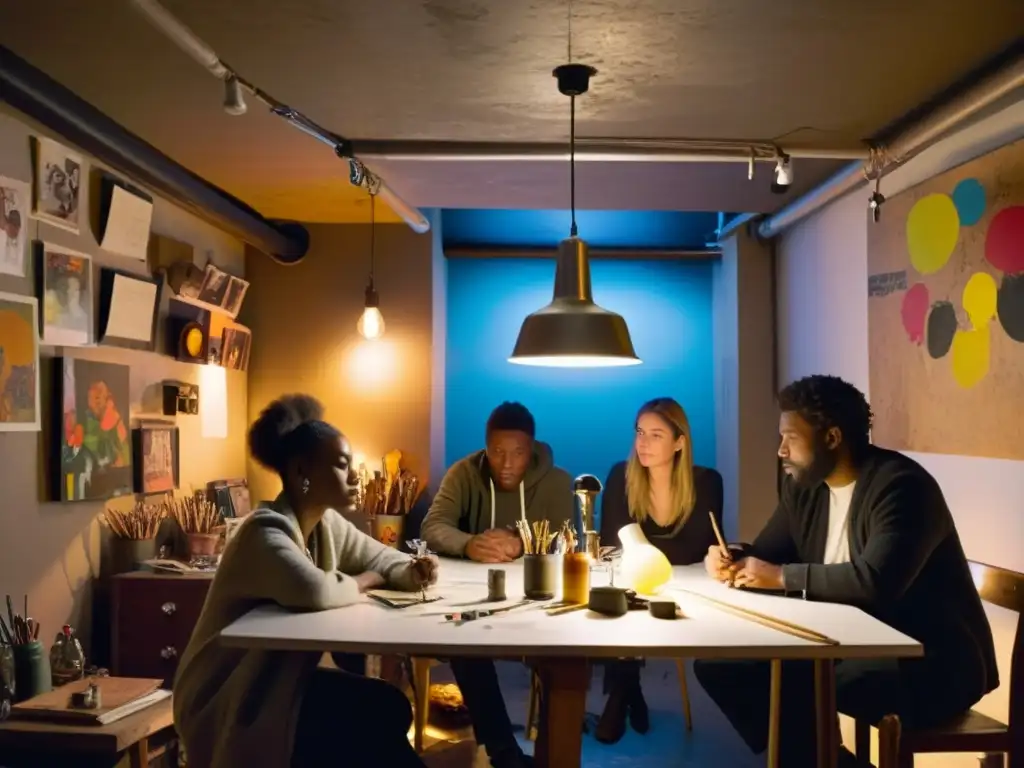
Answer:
x=970 y=356
x=980 y=299
x=933 y=227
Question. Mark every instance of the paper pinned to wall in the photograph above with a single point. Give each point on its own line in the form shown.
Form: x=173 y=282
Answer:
x=128 y=223
x=132 y=304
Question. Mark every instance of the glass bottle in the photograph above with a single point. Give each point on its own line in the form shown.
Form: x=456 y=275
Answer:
x=67 y=660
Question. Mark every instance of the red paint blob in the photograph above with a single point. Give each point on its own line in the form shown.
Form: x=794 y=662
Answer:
x=1004 y=241
x=914 y=312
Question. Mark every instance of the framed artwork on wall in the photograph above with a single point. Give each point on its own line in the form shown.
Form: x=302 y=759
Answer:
x=129 y=306
x=19 y=364
x=92 y=448
x=64 y=287
x=156 y=458
x=58 y=184
x=14 y=211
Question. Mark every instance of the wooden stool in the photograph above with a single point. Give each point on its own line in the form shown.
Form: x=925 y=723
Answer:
x=143 y=736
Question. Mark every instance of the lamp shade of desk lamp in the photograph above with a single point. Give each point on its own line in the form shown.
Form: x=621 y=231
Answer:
x=644 y=567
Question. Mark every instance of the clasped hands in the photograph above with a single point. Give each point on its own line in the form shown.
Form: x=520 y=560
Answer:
x=742 y=572
x=495 y=545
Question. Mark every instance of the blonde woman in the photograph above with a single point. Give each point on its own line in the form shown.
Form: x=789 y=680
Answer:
x=659 y=488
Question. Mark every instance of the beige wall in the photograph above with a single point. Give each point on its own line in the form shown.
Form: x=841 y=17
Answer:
x=746 y=420
x=822 y=279
x=303 y=318
x=52 y=551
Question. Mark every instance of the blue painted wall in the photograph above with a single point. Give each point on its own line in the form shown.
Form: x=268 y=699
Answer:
x=585 y=414
x=601 y=229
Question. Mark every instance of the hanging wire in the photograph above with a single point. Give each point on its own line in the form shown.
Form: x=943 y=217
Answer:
x=373 y=229
x=572 y=163
x=572 y=137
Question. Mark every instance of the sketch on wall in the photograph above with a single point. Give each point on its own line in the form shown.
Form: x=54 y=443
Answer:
x=19 y=364
x=946 y=312
x=58 y=177
x=95 y=446
x=14 y=210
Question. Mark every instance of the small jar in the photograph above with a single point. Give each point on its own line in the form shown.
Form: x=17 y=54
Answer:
x=576 y=578
x=67 y=660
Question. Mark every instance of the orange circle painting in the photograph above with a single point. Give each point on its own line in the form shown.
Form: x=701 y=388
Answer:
x=18 y=366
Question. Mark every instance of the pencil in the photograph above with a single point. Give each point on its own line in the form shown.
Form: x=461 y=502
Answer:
x=718 y=535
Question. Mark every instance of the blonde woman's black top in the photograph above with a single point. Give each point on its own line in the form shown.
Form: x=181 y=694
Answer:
x=684 y=546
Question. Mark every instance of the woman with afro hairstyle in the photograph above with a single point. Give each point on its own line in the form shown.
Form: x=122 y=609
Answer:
x=241 y=707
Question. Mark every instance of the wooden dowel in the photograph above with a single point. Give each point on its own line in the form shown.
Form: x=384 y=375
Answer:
x=718 y=535
x=765 y=620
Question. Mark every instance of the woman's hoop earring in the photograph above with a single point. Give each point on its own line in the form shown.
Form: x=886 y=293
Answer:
x=305 y=485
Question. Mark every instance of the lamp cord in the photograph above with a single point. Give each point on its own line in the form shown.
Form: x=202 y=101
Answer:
x=373 y=228
x=572 y=137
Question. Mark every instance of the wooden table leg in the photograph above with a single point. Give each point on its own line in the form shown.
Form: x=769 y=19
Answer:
x=138 y=754
x=421 y=710
x=825 y=713
x=563 y=701
x=774 y=713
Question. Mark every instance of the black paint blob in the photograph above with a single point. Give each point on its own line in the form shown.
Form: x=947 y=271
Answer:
x=1010 y=306
x=942 y=327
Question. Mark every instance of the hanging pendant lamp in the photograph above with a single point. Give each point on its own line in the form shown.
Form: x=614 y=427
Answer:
x=572 y=331
x=371 y=322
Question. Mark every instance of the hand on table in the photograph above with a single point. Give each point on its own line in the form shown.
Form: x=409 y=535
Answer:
x=423 y=571
x=369 y=580
x=496 y=545
x=751 y=572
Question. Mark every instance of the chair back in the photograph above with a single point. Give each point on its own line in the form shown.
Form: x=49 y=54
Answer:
x=1005 y=588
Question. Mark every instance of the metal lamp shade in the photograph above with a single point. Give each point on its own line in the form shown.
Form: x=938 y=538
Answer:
x=572 y=331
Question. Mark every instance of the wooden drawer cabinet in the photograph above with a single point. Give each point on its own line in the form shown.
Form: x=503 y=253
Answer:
x=153 y=618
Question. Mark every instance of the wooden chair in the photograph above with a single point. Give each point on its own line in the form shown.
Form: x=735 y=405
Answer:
x=973 y=731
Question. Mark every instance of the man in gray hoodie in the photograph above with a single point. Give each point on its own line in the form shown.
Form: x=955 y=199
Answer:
x=473 y=515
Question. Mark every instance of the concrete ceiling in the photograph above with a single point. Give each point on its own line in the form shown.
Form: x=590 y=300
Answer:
x=807 y=73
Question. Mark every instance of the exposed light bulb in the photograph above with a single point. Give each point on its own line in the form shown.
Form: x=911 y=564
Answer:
x=783 y=175
x=644 y=567
x=371 y=322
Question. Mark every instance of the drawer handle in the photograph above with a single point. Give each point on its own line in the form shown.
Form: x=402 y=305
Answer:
x=168 y=608
x=169 y=652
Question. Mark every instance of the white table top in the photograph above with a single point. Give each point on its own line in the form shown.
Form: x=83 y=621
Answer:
x=707 y=632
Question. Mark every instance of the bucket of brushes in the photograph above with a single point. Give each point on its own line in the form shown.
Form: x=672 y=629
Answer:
x=132 y=535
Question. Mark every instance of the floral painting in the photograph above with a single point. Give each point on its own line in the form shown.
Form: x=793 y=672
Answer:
x=66 y=290
x=95 y=444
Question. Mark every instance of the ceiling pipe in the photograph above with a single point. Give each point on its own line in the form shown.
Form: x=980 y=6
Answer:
x=951 y=114
x=596 y=150
x=53 y=106
x=203 y=54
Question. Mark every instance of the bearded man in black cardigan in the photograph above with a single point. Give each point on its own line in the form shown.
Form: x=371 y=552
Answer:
x=868 y=527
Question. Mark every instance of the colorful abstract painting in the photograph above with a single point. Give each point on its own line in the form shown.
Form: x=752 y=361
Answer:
x=946 y=312
x=95 y=445
x=19 y=364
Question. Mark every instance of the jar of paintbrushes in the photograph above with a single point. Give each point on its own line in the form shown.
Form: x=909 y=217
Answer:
x=132 y=535
x=388 y=497
x=200 y=521
x=542 y=559
x=31 y=665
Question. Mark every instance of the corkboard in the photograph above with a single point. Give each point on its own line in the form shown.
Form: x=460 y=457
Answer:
x=946 y=312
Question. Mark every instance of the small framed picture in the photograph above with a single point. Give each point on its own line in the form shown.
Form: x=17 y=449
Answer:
x=64 y=285
x=58 y=184
x=128 y=309
x=156 y=458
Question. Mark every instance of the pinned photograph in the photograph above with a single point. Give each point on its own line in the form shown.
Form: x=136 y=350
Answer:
x=57 y=185
x=14 y=208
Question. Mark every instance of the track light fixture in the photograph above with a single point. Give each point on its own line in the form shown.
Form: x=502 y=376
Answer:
x=234 y=99
x=783 y=175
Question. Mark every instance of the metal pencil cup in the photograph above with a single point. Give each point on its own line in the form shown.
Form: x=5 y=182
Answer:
x=540 y=576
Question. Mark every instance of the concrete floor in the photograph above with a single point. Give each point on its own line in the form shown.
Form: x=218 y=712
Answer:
x=711 y=743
